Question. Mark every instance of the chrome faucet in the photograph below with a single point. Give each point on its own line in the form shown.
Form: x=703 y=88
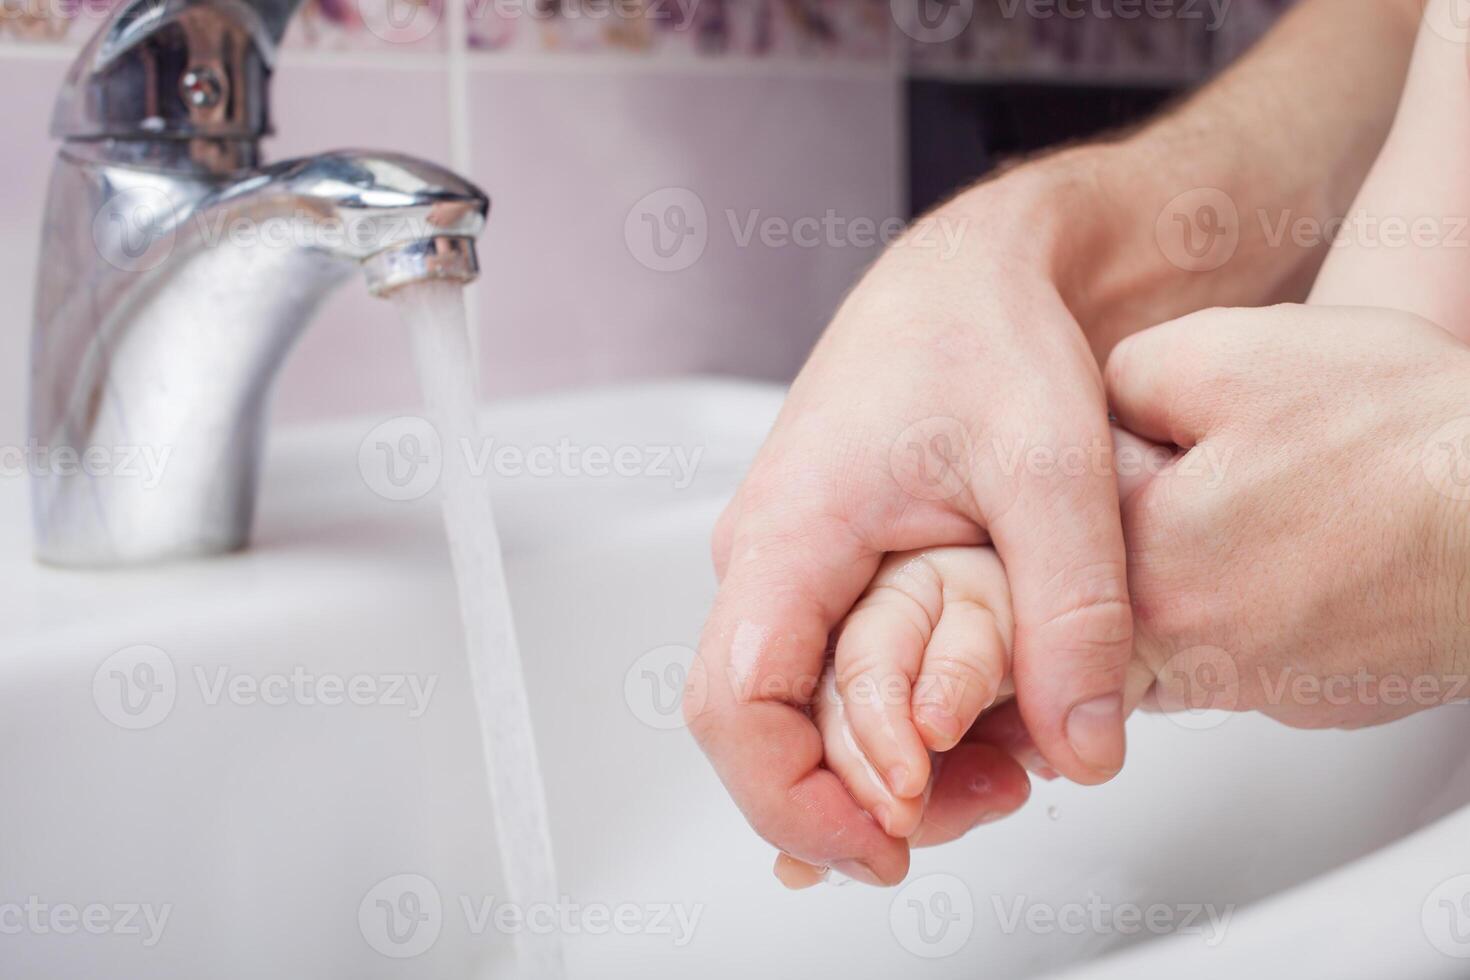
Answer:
x=176 y=271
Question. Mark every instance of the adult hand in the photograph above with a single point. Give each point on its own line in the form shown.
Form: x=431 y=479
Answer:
x=1306 y=554
x=943 y=361
x=953 y=400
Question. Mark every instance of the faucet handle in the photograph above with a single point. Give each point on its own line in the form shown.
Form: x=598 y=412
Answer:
x=175 y=70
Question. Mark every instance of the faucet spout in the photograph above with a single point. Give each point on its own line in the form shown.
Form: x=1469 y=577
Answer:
x=165 y=305
x=176 y=272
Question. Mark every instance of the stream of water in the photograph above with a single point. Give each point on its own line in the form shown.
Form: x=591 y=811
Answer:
x=435 y=315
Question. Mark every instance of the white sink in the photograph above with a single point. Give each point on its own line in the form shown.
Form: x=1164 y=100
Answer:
x=268 y=833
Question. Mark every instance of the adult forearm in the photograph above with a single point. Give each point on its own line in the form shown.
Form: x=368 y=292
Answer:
x=1287 y=135
x=1189 y=211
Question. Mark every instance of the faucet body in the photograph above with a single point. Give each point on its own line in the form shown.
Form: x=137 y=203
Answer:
x=176 y=271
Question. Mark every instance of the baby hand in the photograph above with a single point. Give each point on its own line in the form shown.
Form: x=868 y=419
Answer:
x=921 y=655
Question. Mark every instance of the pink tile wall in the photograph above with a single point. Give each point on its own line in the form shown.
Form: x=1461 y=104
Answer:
x=566 y=150
x=723 y=112
x=565 y=156
x=354 y=358
x=565 y=297
x=25 y=112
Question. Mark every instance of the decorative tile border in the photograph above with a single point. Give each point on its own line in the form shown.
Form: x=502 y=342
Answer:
x=844 y=30
x=1175 y=41
x=52 y=21
x=1170 y=40
x=857 y=30
x=328 y=25
x=390 y=26
x=1002 y=45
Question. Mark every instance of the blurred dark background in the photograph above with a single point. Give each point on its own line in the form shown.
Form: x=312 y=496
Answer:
x=959 y=131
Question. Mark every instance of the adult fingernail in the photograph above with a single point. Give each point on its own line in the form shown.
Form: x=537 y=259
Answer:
x=858 y=871
x=1095 y=732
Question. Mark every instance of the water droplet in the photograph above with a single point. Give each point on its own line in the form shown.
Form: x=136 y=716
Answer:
x=1053 y=813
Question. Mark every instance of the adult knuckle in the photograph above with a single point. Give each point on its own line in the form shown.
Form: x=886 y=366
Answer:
x=1097 y=615
x=830 y=476
x=1096 y=587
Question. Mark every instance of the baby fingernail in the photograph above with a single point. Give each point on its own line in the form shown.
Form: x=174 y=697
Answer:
x=898 y=779
x=900 y=824
x=797 y=874
x=1095 y=732
x=943 y=725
